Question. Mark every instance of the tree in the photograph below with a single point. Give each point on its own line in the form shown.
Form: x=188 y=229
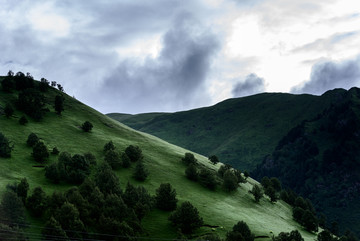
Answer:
x=270 y=191
x=186 y=217
x=191 y=172
x=32 y=103
x=8 y=83
x=68 y=217
x=140 y=172
x=22 y=189
x=113 y=159
x=239 y=177
x=23 y=121
x=165 y=197
x=37 y=202
x=106 y=180
x=265 y=182
x=207 y=178
x=52 y=173
x=276 y=184
x=309 y=221
x=40 y=152
x=59 y=104
x=325 y=235
x=125 y=160
x=257 y=192
x=240 y=231
x=87 y=126
x=134 y=153
x=52 y=230
x=230 y=181
x=223 y=169
x=8 y=110
x=5 y=147
x=55 y=151
x=189 y=158
x=292 y=236
x=214 y=159
x=32 y=140
x=12 y=209
x=109 y=146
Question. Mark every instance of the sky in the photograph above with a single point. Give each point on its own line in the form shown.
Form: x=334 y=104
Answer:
x=136 y=56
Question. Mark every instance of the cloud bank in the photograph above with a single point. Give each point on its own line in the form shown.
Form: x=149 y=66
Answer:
x=252 y=84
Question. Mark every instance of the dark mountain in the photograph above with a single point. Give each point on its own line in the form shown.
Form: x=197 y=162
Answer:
x=239 y=131
x=320 y=159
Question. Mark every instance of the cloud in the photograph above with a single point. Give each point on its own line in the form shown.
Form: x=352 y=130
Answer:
x=173 y=80
x=326 y=44
x=329 y=75
x=251 y=85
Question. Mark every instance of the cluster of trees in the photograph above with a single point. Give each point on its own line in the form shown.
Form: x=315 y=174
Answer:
x=226 y=175
x=269 y=186
x=31 y=100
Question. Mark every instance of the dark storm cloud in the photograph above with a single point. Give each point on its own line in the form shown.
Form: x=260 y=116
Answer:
x=329 y=75
x=327 y=43
x=173 y=80
x=251 y=85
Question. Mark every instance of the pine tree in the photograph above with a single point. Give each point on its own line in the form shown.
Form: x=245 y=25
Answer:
x=186 y=217
x=140 y=172
x=166 y=197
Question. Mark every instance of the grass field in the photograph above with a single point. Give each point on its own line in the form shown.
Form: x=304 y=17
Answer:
x=162 y=159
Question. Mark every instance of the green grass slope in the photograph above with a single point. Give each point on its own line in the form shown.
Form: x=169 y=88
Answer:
x=161 y=159
x=239 y=131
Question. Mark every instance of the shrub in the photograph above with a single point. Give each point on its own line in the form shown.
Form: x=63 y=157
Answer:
x=230 y=181
x=292 y=236
x=109 y=146
x=5 y=147
x=32 y=140
x=207 y=178
x=240 y=231
x=140 y=172
x=270 y=191
x=186 y=217
x=191 y=172
x=166 y=197
x=134 y=153
x=189 y=158
x=55 y=151
x=87 y=126
x=257 y=192
x=52 y=173
x=113 y=159
x=40 y=152
x=214 y=159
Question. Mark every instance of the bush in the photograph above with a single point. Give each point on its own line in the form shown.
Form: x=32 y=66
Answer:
x=32 y=140
x=191 y=172
x=230 y=181
x=207 y=178
x=55 y=151
x=257 y=192
x=134 y=153
x=166 y=197
x=5 y=147
x=186 y=217
x=52 y=173
x=113 y=159
x=140 y=172
x=36 y=203
x=292 y=236
x=270 y=191
x=23 y=121
x=109 y=146
x=240 y=231
x=223 y=169
x=213 y=159
x=189 y=158
x=40 y=152
x=125 y=160
x=87 y=126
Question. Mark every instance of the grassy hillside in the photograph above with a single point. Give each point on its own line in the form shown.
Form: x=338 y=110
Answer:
x=239 y=131
x=161 y=159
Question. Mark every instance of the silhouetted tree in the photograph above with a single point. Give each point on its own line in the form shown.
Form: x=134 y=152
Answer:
x=256 y=192
x=191 y=172
x=186 y=217
x=60 y=87
x=59 y=104
x=40 y=152
x=166 y=197
x=140 y=172
x=87 y=126
x=5 y=146
x=8 y=83
x=8 y=110
x=189 y=158
x=134 y=153
x=214 y=159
